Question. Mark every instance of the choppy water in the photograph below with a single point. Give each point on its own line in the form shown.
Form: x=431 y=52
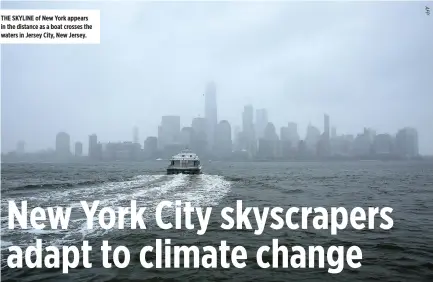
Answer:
x=404 y=253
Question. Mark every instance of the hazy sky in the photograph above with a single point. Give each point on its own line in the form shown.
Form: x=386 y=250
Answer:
x=365 y=64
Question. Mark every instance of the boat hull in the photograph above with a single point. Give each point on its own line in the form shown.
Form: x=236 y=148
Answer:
x=183 y=171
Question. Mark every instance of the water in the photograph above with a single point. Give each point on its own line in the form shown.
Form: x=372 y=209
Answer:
x=401 y=254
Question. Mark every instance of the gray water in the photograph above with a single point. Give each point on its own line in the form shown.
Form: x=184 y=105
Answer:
x=404 y=253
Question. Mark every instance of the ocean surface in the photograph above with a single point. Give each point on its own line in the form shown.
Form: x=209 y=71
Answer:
x=403 y=253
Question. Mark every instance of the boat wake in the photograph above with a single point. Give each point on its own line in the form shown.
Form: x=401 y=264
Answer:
x=148 y=190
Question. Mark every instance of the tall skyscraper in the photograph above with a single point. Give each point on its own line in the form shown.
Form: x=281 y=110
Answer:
x=326 y=126
x=211 y=112
x=324 y=146
x=223 y=140
x=93 y=146
x=261 y=122
x=293 y=134
x=135 y=137
x=248 y=132
x=268 y=145
x=247 y=120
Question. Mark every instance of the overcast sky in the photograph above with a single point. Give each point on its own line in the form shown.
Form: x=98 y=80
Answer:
x=365 y=64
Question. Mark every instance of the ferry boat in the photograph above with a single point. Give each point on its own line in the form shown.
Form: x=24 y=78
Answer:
x=186 y=162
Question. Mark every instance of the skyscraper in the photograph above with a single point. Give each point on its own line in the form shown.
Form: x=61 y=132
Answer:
x=312 y=138
x=93 y=146
x=247 y=120
x=211 y=112
x=261 y=122
x=248 y=132
x=326 y=126
x=223 y=140
x=293 y=133
x=135 y=138
x=268 y=145
x=324 y=146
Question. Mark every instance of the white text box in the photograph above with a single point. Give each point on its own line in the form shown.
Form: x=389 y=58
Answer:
x=50 y=26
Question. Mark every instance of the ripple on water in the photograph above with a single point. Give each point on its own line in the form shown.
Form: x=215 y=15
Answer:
x=403 y=253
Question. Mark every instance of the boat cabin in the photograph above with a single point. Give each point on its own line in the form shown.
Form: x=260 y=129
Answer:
x=185 y=159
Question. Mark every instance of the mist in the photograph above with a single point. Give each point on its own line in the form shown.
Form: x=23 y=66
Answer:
x=363 y=64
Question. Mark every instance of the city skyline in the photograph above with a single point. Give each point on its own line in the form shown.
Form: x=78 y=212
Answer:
x=363 y=64
x=258 y=138
x=254 y=124
x=254 y=127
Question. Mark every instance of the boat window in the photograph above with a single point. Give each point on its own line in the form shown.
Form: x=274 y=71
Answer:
x=190 y=155
x=172 y=162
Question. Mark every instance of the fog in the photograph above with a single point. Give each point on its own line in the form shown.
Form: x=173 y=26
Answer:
x=364 y=64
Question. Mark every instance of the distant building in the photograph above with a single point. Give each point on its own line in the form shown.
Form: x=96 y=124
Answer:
x=285 y=146
x=168 y=132
x=383 y=144
x=223 y=140
x=333 y=132
x=312 y=139
x=268 y=145
x=21 y=147
x=248 y=139
x=199 y=138
x=293 y=133
x=211 y=112
x=326 y=127
x=261 y=122
x=237 y=136
x=342 y=145
x=284 y=133
x=362 y=144
x=199 y=124
x=121 y=151
x=78 y=149
x=324 y=145
x=270 y=132
x=135 y=135
x=150 y=147
x=63 y=143
x=406 y=142
x=93 y=147
x=185 y=137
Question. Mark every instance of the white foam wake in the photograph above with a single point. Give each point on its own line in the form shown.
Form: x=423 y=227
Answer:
x=147 y=190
